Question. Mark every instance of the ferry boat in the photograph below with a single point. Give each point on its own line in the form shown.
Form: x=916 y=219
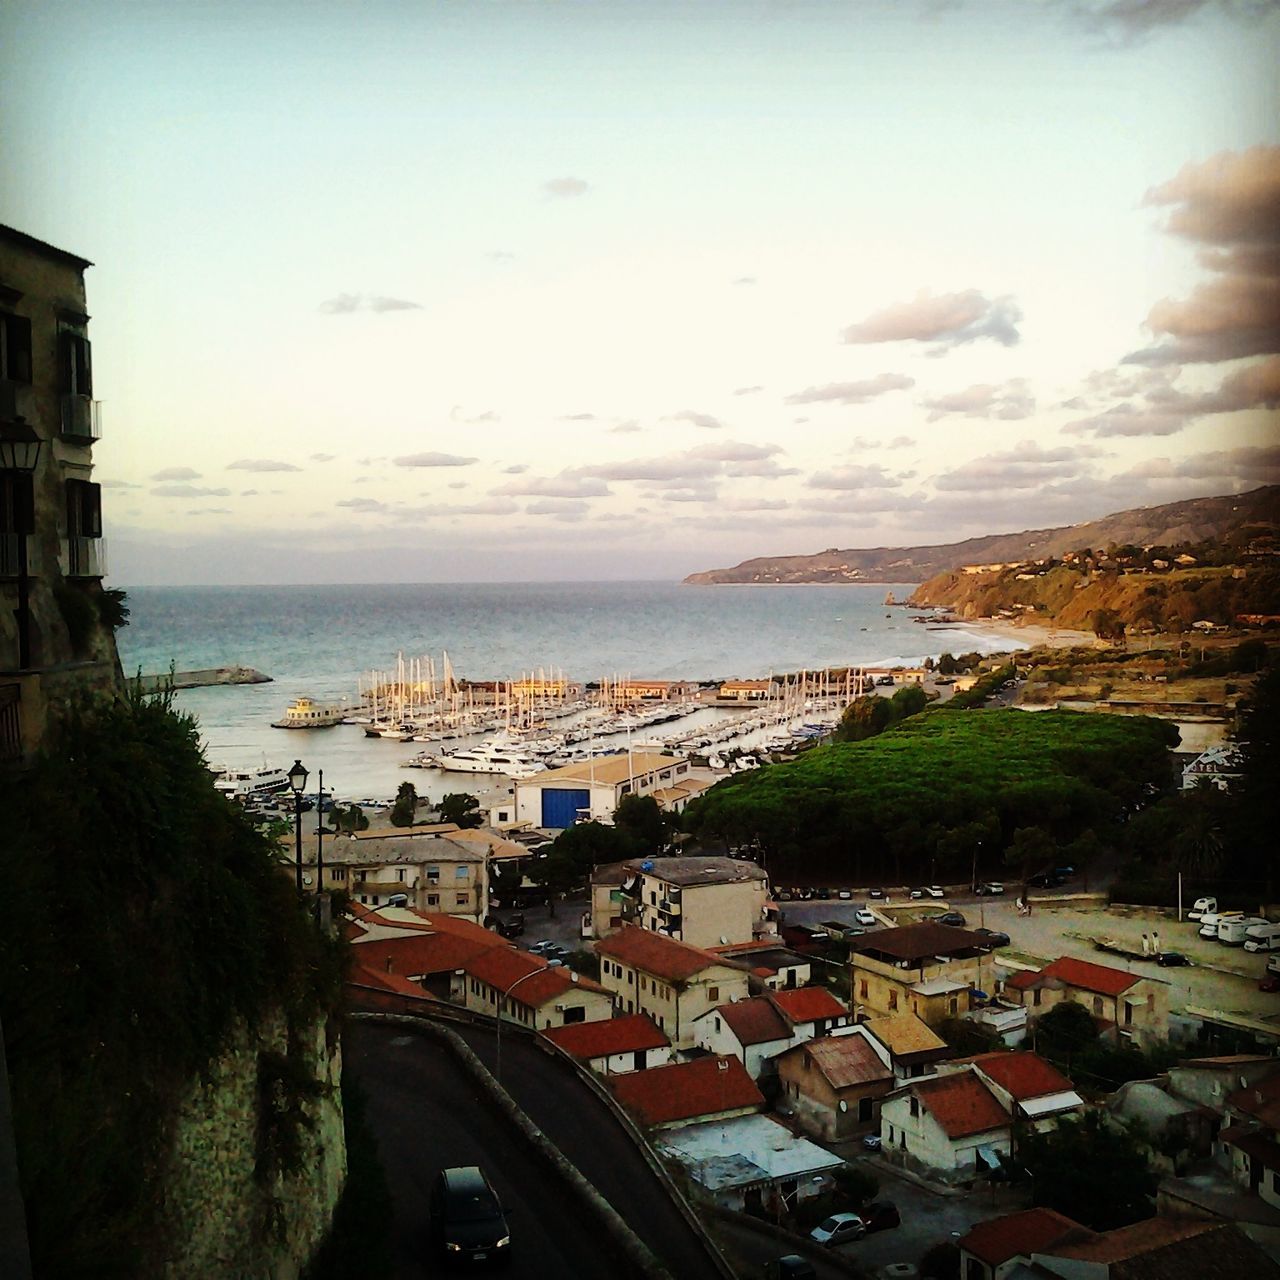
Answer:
x=307 y=713
x=488 y=759
x=249 y=784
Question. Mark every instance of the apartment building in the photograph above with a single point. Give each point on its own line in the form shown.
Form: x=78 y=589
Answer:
x=925 y=969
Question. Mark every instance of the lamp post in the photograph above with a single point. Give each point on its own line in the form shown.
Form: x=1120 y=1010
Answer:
x=19 y=452
x=502 y=998
x=297 y=781
x=320 y=834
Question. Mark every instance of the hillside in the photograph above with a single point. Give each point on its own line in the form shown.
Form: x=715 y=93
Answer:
x=1196 y=520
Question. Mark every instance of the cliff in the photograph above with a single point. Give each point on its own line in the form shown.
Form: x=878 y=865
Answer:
x=1194 y=521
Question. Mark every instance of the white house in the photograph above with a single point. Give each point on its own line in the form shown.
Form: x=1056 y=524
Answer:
x=592 y=790
x=614 y=1045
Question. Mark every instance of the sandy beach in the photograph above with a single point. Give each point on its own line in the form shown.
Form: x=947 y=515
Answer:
x=1015 y=635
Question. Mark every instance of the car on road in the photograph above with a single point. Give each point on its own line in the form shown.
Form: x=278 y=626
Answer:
x=871 y=1142
x=510 y=927
x=954 y=918
x=880 y=1215
x=556 y=951
x=467 y=1222
x=790 y=1266
x=1172 y=959
x=864 y=917
x=988 y=888
x=845 y=894
x=994 y=937
x=540 y=948
x=839 y=1228
x=928 y=891
x=1269 y=982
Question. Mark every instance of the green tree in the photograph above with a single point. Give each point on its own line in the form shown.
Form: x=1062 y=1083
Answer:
x=1029 y=849
x=348 y=818
x=460 y=808
x=405 y=808
x=1089 y=1171
x=642 y=818
x=909 y=700
x=1067 y=1029
x=1107 y=625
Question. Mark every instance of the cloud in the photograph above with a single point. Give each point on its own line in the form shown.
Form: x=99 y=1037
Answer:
x=901 y=442
x=187 y=491
x=560 y=508
x=704 y=420
x=433 y=460
x=459 y=414
x=429 y=511
x=754 y=504
x=766 y=467
x=745 y=280
x=674 y=468
x=248 y=493
x=500 y=255
x=1025 y=466
x=1129 y=21
x=1259 y=463
x=860 y=502
x=852 y=392
x=345 y=304
x=260 y=464
x=734 y=451
x=209 y=511
x=323 y=457
x=362 y=504
x=565 y=485
x=947 y=320
x=706 y=493
x=176 y=473
x=566 y=188
x=854 y=477
x=577 y=417
x=627 y=427
x=747 y=391
x=1009 y=402
x=516 y=469
x=1229 y=205
x=120 y=484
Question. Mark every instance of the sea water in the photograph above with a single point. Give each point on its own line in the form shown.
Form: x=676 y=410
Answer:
x=318 y=640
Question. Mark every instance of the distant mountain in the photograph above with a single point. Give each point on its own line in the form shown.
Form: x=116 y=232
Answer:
x=1195 y=520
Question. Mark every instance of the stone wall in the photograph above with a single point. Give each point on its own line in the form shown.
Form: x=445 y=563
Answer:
x=223 y=1222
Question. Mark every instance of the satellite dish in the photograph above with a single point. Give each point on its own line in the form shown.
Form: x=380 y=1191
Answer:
x=844 y=1106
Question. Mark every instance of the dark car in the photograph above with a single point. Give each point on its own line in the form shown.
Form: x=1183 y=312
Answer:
x=1172 y=959
x=988 y=888
x=789 y=1267
x=875 y=893
x=467 y=1222
x=993 y=937
x=1269 y=982
x=512 y=926
x=880 y=1215
x=952 y=918
x=1043 y=880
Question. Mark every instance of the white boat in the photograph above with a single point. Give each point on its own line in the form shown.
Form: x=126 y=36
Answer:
x=307 y=713
x=488 y=759
x=247 y=784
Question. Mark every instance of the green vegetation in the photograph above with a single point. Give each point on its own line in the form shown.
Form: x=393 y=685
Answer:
x=405 y=808
x=869 y=716
x=942 y=793
x=147 y=921
x=982 y=689
x=1068 y=1037
x=113 y=608
x=348 y=818
x=461 y=808
x=643 y=820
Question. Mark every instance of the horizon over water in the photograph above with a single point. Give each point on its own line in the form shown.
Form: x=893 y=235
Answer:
x=319 y=640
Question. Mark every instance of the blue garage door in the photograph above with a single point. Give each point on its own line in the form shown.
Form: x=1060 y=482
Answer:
x=560 y=808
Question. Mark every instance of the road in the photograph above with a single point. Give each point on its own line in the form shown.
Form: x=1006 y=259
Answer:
x=428 y=1114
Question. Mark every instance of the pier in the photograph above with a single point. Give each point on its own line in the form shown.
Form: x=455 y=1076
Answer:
x=202 y=679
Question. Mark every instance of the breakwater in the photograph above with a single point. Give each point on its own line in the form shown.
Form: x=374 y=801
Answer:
x=202 y=679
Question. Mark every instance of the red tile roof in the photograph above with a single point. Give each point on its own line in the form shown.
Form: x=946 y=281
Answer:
x=1021 y=1234
x=1124 y=1243
x=657 y=954
x=755 y=1021
x=808 y=1004
x=1090 y=977
x=361 y=977
x=686 y=1090
x=1023 y=979
x=417 y=954
x=961 y=1104
x=608 y=1036
x=1022 y=1074
x=503 y=967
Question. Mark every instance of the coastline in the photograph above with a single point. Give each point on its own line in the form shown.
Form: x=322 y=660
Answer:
x=1030 y=636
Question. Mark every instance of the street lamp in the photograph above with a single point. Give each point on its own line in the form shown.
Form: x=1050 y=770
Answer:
x=19 y=452
x=297 y=781
x=502 y=998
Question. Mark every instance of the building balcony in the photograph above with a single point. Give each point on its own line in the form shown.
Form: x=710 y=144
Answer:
x=81 y=419
x=83 y=558
x=11 y=751
x=10 y=556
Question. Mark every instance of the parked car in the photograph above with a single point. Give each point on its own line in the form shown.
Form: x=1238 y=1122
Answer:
x=512 y=926
x=877 y=894
x=871 y=1142
x=880 y=1215
x=1043 y=880
x=845 y=894
x=825 y=894
x=988 y=888
x=838 y=1229
x=1269 y=982
x=557 y=951
x=954 y=918
x=994 y=937
x=1172 y=959
x=864 y=917
x=541 y=948
x=1200 y=906
x=928 y=891
x=467 y=1222
x=790 y=1266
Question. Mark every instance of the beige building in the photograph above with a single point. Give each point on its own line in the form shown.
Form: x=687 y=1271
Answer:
x=525 y=989
x=707 y=902
x=430 y=870
x=925 y=969
x=747 y=691
x=833 y=1085
x=673 y=982
x=1125 y=1006
x=56 y=631
x=591 y=790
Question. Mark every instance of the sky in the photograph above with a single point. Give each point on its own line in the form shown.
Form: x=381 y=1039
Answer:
x=604 y=290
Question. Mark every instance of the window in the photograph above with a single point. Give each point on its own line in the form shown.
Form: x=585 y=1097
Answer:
x=644 y=983
x=575 y=1014
x=337 y=873
x=713 y=993
x=461 y=898
x=75 y=372
x=1035 y=998
x=433 y=875
x=631 y=976
x=400 y=874
x=1128 y=1014
x=953 y=1006
x=459 y=873
x=717 y=1022
x=84 y=509
x=15 y=347
x=893 y=999
x=433 y=899
x=361 y=876
x=1097 y=1006
x=864 y=1109
x=915 y=1107
x=862 y=989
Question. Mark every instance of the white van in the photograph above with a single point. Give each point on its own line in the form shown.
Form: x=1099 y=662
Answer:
x=1273 y=964
x=1263 y=937
x=1201 y=906
x=1235 y=930
x=1210 y=921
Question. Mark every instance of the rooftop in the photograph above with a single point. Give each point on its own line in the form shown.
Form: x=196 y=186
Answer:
x=754 y=1021
x=688 y=872
x=961 y=1104
x=1022 y=1074
x=1020 y=1234
x=808 y=1004
x=606 y=770
x=416 y=955
x=904 y=1034
x=584 y=1040
x=417 y=847
x=1089 y=976
x=844 y=1061
x=685 y=1090
x=23 y=241
x=503 y=967
x=1261 y=1100
x=920 y=941
x=657 y=954
x=745 y=1151
x=1125 y=1243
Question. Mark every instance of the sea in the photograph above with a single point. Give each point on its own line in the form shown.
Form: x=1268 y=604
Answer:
x=319 y=640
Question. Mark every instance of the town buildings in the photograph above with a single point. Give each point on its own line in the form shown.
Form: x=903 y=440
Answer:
x=56 y=623
x=593 y=789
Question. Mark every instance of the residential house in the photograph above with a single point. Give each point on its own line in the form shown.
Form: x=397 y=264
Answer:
x=632 y=690
x=673 y=982
x=1026 y=1086
x=994 y=1249
x=52 y=554
x=1207 y=1082
x=424 y=867
x=1127 y=1007
x=710 y=1088
x=1164 y=1123
x=773 y=967
x=614 y=1045
x=832 y=1084
x=592 y=790
x=706 y=901
x=910 y=1047
x=751 y=1163
x=1249 y=1144
x=756 y=1030
x=926 y=969
x=952 y=1126
x=524 y=988
x=428 y=959
x=609 y=900
x=738 y=691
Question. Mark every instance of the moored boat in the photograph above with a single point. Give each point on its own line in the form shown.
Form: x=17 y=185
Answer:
x=307 y=713
x=247 y=784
